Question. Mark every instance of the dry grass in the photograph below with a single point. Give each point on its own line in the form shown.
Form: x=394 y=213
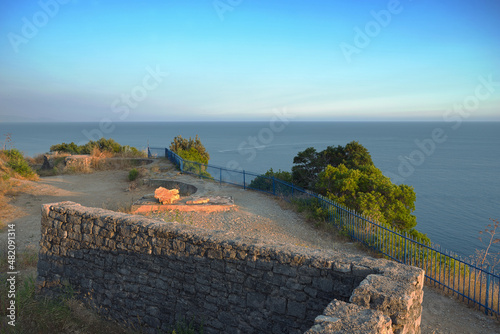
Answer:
x=462 y=281
x=9 y=186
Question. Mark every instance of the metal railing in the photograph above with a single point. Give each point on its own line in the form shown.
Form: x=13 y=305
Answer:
x=463 y=278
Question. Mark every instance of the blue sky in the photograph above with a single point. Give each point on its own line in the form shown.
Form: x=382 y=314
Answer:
x=125 y=60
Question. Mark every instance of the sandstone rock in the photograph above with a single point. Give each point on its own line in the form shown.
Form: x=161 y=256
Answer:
x=341 y=317
x=199 y=201
x=167 y=196
x=78 y=161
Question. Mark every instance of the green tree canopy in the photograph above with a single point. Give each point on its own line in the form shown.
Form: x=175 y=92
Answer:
x=309 y=163
x=194 y=154
x=370 y=193
x=348 y=176
x=190 y=149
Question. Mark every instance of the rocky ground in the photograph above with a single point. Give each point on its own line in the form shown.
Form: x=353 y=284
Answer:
x=255 y=214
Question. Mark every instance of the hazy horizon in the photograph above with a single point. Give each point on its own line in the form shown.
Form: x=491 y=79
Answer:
x=93 y=61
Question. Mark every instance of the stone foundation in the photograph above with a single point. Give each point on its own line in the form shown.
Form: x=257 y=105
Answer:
x=149 y=273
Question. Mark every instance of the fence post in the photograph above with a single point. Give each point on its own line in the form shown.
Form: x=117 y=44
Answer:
x=149 y=153
x=244 y=180
x=404 y=252
x=274 y=186
x=488 y=275
x=220 y=175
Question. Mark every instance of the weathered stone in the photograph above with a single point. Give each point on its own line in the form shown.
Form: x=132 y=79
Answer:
x=137 y=268
x=198 y=201
x=341 y=317
x=167 y=196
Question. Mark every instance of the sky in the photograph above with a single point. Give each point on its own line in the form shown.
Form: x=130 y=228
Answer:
x=231 y=60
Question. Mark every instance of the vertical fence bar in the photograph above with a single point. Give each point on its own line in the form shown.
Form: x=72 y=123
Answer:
x=487 y=290
x=274 y=186
x=454 y=275
x=468 y=293
x=405 y=250
x=244 y=187
x=480 y=285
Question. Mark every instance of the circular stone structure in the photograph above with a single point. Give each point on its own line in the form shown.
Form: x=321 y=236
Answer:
x=185 y=189
x=187 y=202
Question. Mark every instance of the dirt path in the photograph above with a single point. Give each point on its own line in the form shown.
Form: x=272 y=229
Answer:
x=257 y=215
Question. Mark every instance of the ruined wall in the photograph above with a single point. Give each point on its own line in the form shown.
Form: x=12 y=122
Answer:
x=149 y=273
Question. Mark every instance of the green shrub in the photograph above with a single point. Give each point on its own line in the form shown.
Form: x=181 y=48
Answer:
x=182 y=327
x=18 y=164
x=103 y=144
x=133 y=174
x=194 y=154
x=265 y=182
x=181 y=144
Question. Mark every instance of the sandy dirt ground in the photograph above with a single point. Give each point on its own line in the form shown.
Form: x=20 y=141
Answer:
x=255 y=215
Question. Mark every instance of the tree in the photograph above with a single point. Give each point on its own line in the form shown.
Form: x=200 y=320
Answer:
x=353 y=155
x=182 y=144
x=309 y=163
x=306 y=169
x=194 y=154
x=348 y=176
x=369 y=192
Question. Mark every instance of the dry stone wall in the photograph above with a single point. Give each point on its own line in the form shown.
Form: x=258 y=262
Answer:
x=150 y=273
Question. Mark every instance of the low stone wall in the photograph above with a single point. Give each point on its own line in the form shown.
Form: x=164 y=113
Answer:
x=150 y=273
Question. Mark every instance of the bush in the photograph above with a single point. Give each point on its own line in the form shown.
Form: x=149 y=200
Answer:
x=16 y=161
x=103 y=145
x=189 y=147
x=194 y=154
x=265 y=182
x=183 y=327
x=133 y=174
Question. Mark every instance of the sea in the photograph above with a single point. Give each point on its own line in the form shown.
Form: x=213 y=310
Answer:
x=453 y=167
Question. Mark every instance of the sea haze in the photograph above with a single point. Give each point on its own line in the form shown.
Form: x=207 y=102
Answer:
x=453 y=167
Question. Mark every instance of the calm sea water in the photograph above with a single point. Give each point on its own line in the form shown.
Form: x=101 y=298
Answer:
x=455 y=171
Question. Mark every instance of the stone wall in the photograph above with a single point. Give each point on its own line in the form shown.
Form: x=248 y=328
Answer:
x=150 y=273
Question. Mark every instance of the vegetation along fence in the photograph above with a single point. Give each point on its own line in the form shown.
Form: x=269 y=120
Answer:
x=466 y=279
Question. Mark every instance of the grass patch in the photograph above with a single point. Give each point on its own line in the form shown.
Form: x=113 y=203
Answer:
x=18 y=165
x=184 y=327
x=133 y=174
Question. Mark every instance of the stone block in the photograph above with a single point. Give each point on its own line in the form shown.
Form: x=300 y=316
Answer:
x=296 y=309
x=167 y=196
